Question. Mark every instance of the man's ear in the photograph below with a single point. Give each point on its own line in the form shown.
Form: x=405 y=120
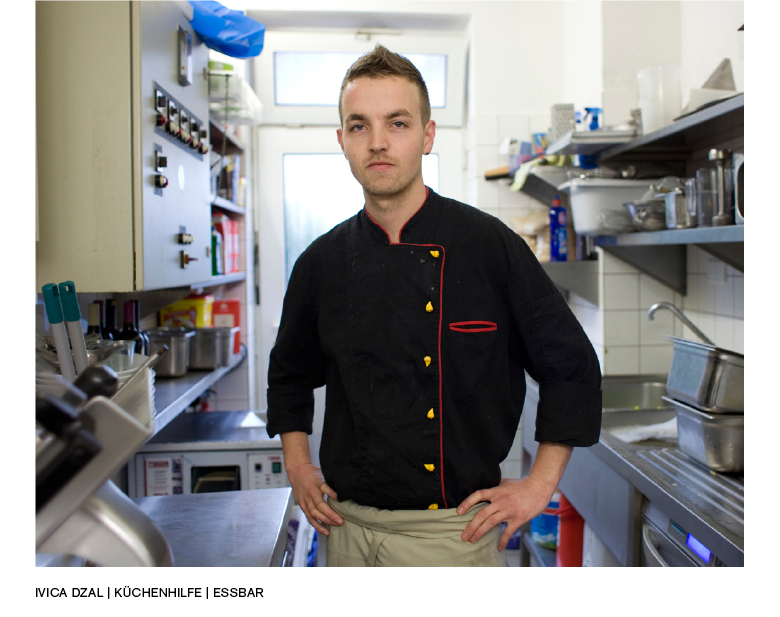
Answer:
x=430 y=133
x=339 y=137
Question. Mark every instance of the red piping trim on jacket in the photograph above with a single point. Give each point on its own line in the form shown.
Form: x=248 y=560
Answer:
x=441 y=295
x=457 y=326
x=427 y=190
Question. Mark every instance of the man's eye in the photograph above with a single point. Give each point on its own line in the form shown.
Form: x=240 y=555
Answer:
x=357 y=127
x=399 y=124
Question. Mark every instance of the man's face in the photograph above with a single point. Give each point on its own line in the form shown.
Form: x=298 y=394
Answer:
x=382 y=135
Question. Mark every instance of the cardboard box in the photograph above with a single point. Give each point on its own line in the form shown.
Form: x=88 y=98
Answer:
x=227 y=314
x=190 y=312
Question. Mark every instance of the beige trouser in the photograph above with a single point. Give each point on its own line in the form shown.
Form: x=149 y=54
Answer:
x=372 y=537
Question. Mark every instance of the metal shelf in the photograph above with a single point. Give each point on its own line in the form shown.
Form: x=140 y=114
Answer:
x=544 y=556
x=173 y=395
x=221 y=279
x=677 y=141
x=225 y=204
x=663 y=254
x=695 y=235
x=580 y=277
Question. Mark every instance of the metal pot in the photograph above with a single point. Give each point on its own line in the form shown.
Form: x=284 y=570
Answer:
x=173 y=363
x=212 y=348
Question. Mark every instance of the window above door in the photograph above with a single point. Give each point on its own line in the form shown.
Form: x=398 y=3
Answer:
x=298 y=75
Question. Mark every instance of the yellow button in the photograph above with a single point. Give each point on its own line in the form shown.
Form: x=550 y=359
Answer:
x=430 y=413
x=435 y=253
x=429 y=307
x=433 y=506
x=429 y=467
x=427 y=360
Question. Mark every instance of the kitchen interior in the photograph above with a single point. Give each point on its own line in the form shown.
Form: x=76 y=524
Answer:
x=608 y=134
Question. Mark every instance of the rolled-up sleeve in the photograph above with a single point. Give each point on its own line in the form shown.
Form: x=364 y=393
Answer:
x=556 y=353
x=297 y=363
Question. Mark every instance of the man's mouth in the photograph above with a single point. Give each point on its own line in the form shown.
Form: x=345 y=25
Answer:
x=380 y=165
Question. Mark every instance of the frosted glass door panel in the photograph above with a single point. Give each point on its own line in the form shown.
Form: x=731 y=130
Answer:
x=314 y=78
x=320 y=192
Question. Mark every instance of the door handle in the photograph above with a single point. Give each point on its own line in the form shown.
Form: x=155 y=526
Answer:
x=647 y=541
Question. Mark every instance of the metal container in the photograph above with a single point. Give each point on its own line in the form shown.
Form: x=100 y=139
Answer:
x=677 y=215
x=716 y=440
x=212 y=348
x=707 y=377
x=647 y=214
x=174 y=362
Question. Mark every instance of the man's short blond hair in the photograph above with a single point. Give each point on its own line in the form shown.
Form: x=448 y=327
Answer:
x=381 y=62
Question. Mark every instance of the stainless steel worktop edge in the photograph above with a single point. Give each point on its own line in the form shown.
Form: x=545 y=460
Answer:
x=177 y=393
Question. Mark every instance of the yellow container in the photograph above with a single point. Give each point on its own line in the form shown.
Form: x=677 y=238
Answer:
x=190 y=312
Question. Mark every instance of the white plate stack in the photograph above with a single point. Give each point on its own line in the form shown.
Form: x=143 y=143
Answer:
x=137 y=398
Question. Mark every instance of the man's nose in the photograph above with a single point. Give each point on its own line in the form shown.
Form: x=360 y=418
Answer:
x=378 y=140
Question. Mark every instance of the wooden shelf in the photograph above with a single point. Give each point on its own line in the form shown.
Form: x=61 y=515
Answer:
x=173 y=395
x=225 y=204
x=221 y=279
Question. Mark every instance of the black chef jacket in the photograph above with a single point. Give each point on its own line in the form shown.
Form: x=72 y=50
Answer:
x=422 y=346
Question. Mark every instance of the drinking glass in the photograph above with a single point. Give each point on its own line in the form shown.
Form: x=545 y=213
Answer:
x=706 y=195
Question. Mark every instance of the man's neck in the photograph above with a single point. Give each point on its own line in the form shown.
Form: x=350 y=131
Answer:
x=392 y=213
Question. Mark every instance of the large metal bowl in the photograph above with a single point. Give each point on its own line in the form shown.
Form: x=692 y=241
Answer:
x=647 y=215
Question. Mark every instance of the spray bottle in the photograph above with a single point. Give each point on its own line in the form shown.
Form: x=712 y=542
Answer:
x=558 y=231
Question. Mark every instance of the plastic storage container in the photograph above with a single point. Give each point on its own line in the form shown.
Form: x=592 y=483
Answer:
x=558 y=245
x=597 y=204
x=544 y=528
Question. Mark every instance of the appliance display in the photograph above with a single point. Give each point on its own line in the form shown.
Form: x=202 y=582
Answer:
x=208 y=452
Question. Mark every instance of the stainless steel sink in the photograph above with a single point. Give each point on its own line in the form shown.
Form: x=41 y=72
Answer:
x=634 y=400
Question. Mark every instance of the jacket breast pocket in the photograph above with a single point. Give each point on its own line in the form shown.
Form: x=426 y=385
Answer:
x=473 y=326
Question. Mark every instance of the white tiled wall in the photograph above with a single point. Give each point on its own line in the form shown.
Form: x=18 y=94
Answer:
x=484 y=133
x=627 y=342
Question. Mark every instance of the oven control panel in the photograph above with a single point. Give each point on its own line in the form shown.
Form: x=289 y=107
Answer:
x=266 y=470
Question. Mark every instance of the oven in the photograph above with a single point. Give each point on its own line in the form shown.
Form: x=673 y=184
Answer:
x=208 y=452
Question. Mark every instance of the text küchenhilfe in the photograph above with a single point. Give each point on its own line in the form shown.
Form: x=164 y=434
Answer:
x=149 y=592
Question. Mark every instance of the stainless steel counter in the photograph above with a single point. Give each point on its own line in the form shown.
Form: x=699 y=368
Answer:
x=227 y=529
x=607 y=482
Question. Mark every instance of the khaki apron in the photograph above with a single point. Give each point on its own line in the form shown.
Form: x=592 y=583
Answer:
x=372 y=537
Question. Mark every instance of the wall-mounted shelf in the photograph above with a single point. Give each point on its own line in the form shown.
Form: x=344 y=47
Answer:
x=663 y=254
x=579 y=277
x=221 y=279
x=675 y=143
x=225 y=204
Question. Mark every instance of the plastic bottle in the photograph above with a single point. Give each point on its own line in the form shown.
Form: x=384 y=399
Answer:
x=558 y=245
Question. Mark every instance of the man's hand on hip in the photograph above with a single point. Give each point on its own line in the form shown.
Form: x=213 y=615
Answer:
x=309 y=489
x=512 y=501
x=517 y=501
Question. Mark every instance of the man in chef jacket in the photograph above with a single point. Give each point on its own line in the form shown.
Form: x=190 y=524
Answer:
x=421 y=315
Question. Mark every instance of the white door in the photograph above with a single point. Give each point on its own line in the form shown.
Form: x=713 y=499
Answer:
x=305 y=187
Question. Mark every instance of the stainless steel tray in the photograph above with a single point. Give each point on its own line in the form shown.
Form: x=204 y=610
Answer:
x=709 y=378
x=716 y=440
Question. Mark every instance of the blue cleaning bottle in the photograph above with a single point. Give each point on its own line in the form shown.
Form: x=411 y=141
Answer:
x=558 y=231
